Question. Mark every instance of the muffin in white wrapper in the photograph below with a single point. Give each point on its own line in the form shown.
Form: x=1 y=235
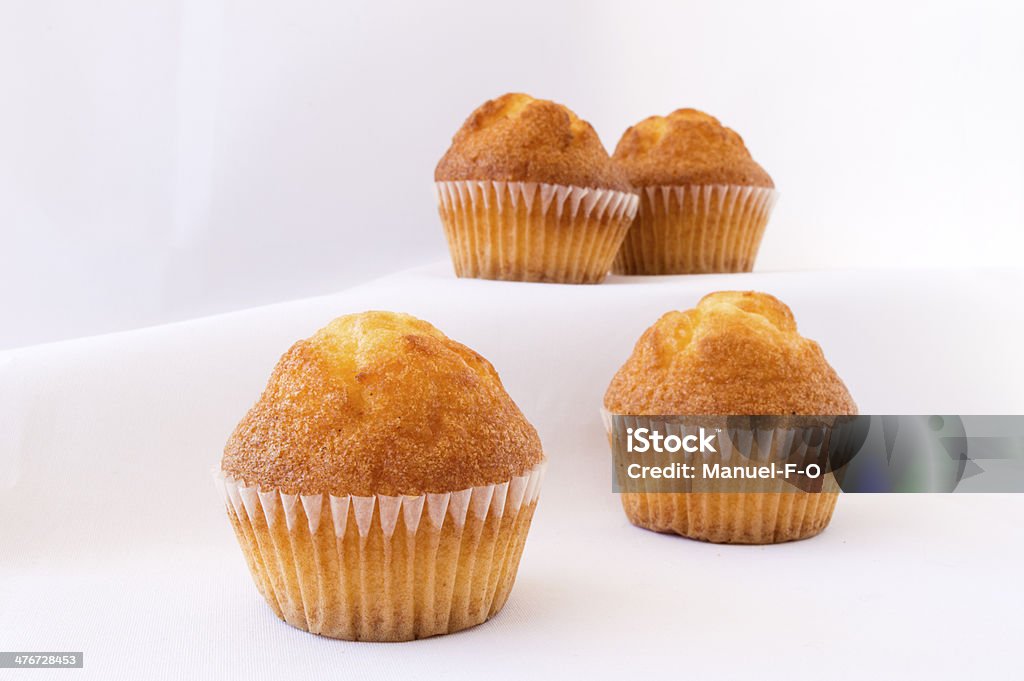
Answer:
x=704 y=201
x=527 y=192
x=737 y=366
x=382 y=487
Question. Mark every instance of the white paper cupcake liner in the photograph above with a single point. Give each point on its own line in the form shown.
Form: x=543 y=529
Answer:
x=384 y=568
x=691 y=229
x=741 y=510
x=532 y=231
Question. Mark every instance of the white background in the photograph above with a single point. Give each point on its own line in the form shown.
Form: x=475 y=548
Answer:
x=165 y=159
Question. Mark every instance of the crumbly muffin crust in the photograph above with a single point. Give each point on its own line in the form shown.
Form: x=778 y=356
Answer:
x=381 y=403
x=737 y=352
x=516 y=138
x=687 y=147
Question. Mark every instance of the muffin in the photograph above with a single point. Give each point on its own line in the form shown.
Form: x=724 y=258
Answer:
x=382 y=487
x=704 y=202
x=527 y=192
x=736 y=353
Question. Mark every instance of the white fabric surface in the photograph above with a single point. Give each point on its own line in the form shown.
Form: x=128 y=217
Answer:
x=113 y=539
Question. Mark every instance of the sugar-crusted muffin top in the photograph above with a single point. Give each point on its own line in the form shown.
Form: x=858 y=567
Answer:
x=516 y=138
x=687 y=147
x=737 y=352
x=381 y=403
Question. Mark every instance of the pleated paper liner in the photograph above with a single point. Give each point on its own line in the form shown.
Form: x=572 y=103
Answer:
x=731 y=511
x=384 y=568
x=695 y=229
x=531 y=231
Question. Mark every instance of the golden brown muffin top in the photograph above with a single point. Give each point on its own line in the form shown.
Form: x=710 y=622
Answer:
x=736 y=353
x=687 y=147
x=516 y=138
x=381 y=403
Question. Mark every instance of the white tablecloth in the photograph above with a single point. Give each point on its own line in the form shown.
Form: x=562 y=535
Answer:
x=113 y=539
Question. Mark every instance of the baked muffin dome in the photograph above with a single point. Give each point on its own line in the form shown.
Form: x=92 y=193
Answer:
x=737 y=352
x=381 y=403
x=687 y=147
x=516 y=138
